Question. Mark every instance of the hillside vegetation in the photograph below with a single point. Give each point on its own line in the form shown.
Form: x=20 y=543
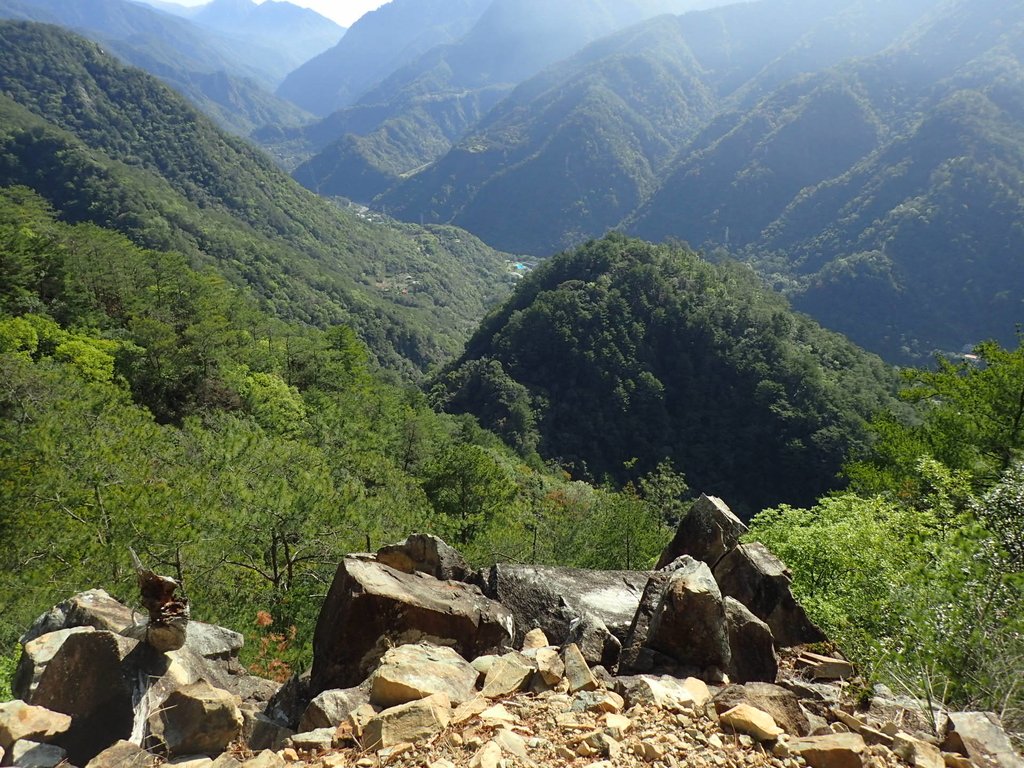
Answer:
x=620 y=356
x=111 y=145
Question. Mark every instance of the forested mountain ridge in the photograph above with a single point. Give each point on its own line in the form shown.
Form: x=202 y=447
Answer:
x=621 y=355
x=414 y=115
x=111 y=145
x=224 y=77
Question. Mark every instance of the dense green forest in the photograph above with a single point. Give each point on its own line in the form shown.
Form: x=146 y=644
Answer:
x=147 y=404
x=111 y=145
x=621 y=355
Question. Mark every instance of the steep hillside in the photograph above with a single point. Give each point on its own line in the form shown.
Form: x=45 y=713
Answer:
x=293 y=33
x=620 y=355
x=226 y=78
x=377 y=44
x=881 y=194
x=111 y=145
x=591 y=137
x=421 y=109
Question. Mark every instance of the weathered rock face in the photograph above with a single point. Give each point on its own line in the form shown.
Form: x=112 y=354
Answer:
x=35 y=655
x=508 y=674
x=371 y=606
x=755 y=577
x=599 y=605
x=407 y=722
x=415 y=671
x=195 y=719
x=632 y=659
x=980 y=736
x=689 y=623
x=707 y=531
x=91 y=679
x=751 y=645
x=838 y=750
x=330 y=708
x=426 y=554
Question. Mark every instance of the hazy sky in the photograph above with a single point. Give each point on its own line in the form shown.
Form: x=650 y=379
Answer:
x=342 y=11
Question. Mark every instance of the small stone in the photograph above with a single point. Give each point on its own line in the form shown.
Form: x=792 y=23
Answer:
x=550 y=667
x=442 y=763
x=535 y=639
x=715 y=741
x=564 y=752
x=953 y=760
x=750 y=720
x=192 y=761
x=617 y=725
x=359 y=717
x=498 y=714
x=483 y=664
x=512 y=743
x=289 y=755
x=840 y=750
x=488 y=756
x=265 y=759
x=577 y=671
x=320 y=739
x=509 y=674
x=652 y=751
x=32 y=754
x=407 y=722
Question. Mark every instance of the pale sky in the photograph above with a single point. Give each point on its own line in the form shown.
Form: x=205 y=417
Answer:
x=345 y=12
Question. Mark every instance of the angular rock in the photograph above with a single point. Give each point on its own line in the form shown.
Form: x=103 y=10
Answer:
x=124 y=754
x=780 y=703
x=535 y=639
x=751 y=574
x=213 y=642
x=317 y=740
x=35 y=655
x=663 y=692
x=19 y=720
x=416 y=671
x=226 y=761
x=371 y=606
x=752 y=721
x=916 y=752
x=32 y=754
x=824 y=667
x=707 y=531
x=577 y=671
x=980 y=736
x=837 y=750
x=265 y=759
x=331 y=708
x=426 y=554
x=689 y=623
x=751 y=645
x=553 y=598
x=196 y=719
x=91 y=679
x=407 y=723
x=94 y=608
x=636 y=636
x=905 y=713
x=509 y=673
x=262 y=732
x=550 y=667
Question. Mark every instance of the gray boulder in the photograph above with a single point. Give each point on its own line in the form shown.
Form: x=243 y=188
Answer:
x=980 y=736
x=331 y=708
x=751 y=645
x=633 y=659
x=689 y=622
x=426 y=554
x=32 y=754
x=751 y=574
x=371 y=607
x=707 y=531
x=571 y=605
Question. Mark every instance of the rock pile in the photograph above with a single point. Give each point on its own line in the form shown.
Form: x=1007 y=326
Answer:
x=418 y=661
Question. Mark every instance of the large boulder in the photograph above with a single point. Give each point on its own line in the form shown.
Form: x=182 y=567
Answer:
x=751 y=574
x=195 y=719
x=371 y=607
x=426 y=554
x=751 y=644
x=594 y=609
x=689 y=623
x=407 y=723
x=35 y=655
x=95 y=608
x=415 y=671
x=980 y=736
x=94 y=678
x=707 y=531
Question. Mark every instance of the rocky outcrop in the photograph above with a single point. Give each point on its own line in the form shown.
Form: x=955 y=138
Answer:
x=707 y=532
x=755 y=577
x=689 y=624
x=593 y=609
x=371 y=606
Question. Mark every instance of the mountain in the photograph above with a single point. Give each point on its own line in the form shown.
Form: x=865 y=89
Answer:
x=220 y=76
x=293 y=33
x=112 y=145
x=620 y=355
x=879 y=192
x=415 y=115
x=380 y=42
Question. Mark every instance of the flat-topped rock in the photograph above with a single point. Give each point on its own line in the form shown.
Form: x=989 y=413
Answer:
x=371 y=607
x=414 y=671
